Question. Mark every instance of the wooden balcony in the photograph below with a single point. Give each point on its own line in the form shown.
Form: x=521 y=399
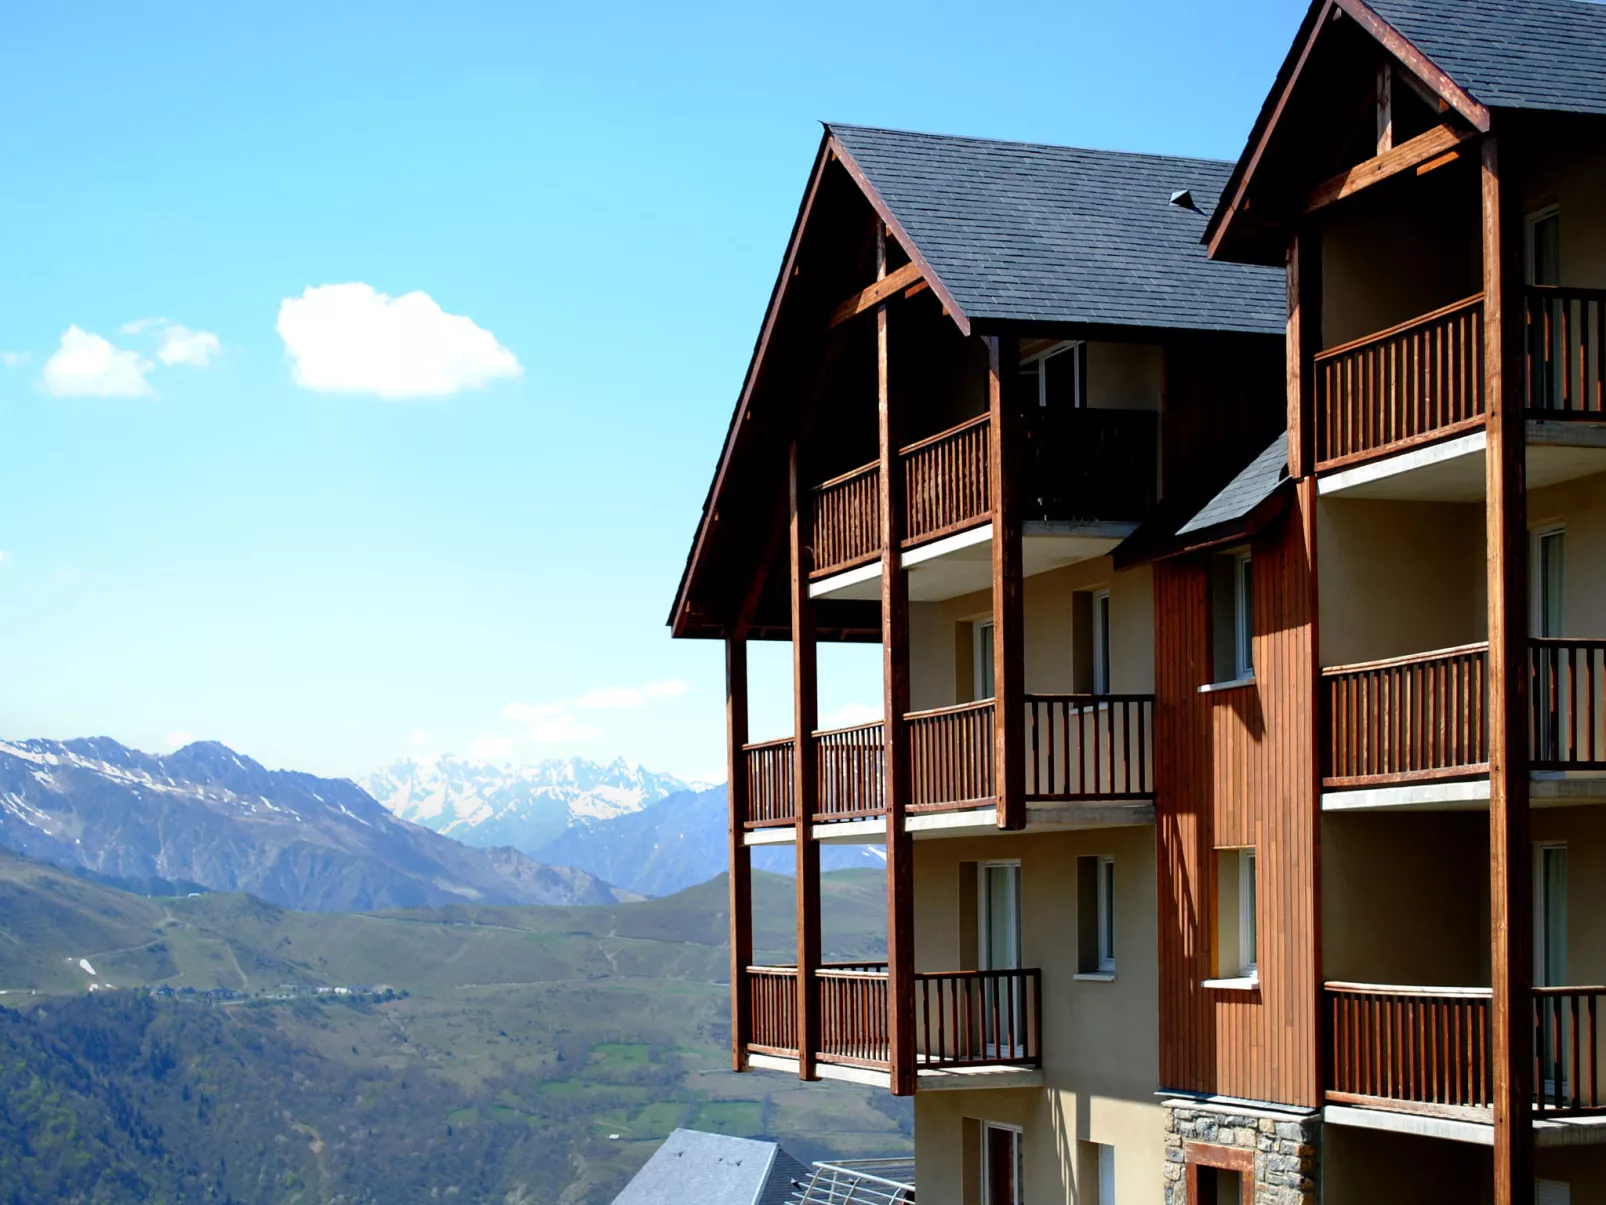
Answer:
x=1411 y=384
x=1565 y=358
x=962 y=1018
x=1423 y=717
x=1407 y=719
x=1428 y=1049
x=1079 y=749
x=1080 y=466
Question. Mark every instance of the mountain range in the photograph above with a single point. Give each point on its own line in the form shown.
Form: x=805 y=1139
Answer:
x=210 y=816
x=522 y=806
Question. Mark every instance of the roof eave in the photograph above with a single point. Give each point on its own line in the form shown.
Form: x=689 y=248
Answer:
x=1217 y=235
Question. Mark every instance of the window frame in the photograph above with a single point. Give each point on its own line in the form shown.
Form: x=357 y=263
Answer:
x=1543 y=937
x=982 y=659
x=1539 y=595
x=1243 y=616
x=984 y=951
x=1017 y=1149
x=1101 y=641
x=1531 y=223
x=1248 y=915
x=1106 y=917
x=1077 y=350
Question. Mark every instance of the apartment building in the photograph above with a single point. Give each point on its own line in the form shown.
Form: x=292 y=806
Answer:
x=1235 y=541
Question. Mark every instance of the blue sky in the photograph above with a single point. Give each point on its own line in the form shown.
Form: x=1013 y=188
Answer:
x=257 y=546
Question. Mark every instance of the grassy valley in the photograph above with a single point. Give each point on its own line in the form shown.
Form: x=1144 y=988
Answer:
x=522 y=1053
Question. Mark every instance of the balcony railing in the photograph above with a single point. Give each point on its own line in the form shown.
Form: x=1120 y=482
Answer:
x=852 y=772
x=1565 y=353
x=1413 y=383
x=962 y=1018
x=1086 y=747
x=951 y=757
x=1079 y=466
x=1086 y=465
x=946 y=481
x=772 y=999
x=1429 y=1049
x=771 y=783
x=1567 y=699
x=1407 y=719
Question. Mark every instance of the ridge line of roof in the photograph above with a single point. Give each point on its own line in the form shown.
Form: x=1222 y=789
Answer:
x=832 y=126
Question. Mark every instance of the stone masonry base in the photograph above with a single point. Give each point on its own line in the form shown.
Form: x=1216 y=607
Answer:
x=1285 y=1148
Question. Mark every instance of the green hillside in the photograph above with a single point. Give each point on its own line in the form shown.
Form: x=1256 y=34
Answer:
x=556 y=1043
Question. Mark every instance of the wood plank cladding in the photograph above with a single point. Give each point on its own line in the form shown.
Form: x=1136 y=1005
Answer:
x=1239 y=769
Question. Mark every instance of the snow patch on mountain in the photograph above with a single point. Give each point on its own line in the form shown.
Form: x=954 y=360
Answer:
x=524 y=806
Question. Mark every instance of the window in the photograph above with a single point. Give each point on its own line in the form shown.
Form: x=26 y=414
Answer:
x=1101 y=642
x=1231 y=620
x=1096 y=1178
x=1550 y=580
x=1237 y=935
x=998 y=931
x=1060 y=376
x=1001 y=1165
x=1095 y=895
x=982 y=643
x=1552 y=1192
x=1544 y=247
x=1550 y=915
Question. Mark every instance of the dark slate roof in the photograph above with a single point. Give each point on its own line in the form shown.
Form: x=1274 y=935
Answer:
x=1516 y=54
x=695 y=1168
x=1018 y=231
x=1245 y=491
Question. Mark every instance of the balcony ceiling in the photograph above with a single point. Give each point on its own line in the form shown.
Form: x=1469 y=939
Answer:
x=963 y=563
x=1453 y=471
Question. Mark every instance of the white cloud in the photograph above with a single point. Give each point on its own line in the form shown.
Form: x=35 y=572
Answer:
x=419 y=739
x=140 y=325
x=85 y=365
x=181 y=345
x=559 y=722
x=13 y=358
x=178 y=739
x=849 y=715
x=350 y=338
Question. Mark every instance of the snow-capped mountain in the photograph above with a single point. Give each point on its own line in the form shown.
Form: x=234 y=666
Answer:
x=211 y=816
x=522 y=806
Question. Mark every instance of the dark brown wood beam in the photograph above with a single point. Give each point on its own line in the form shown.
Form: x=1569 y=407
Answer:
x=1510 y=866
x=1385 y=108
x=1417 y=63
x=805 y=719
x=1436 y=142
x=1009 y=652
x=1303 y=338
x=871 y=297
x=741 y=857
x=895 y=706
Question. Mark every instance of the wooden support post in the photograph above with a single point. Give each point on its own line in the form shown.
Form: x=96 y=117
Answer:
x=805 y=718
x=895 y=706
x=741 y=858
x=1009 y=651
x=1304 y=333
x=1510 y=870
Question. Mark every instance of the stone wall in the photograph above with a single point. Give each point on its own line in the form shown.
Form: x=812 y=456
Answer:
x=1286 y=1149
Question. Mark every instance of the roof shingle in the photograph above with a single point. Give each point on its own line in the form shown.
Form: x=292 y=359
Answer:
x=1515 y=54
x=1024 y=232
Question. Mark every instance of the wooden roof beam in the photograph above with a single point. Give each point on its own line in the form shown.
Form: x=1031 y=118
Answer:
x=874 y=295
x=1437 y=144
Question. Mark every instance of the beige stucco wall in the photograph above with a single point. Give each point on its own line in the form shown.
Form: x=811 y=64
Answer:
x=1565 y=166
x=1101 y=1062
x=1399 y=577
x=1124 y=376
x=939 y=651
x=1398 y=253
x=1370 y=1167
x=1580 y=506
x=1405 y=898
